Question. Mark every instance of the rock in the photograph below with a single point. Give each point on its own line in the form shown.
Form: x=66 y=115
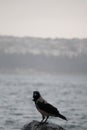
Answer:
x=35 y=125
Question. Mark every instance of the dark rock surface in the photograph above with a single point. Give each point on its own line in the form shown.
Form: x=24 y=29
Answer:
x=35 y=125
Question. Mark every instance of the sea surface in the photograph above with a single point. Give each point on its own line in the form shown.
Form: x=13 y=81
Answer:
x=67 y=93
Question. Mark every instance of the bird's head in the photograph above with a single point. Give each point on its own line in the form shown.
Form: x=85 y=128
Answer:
x=36 y=95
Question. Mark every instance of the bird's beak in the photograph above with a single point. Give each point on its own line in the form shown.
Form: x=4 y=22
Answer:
x=33 y=99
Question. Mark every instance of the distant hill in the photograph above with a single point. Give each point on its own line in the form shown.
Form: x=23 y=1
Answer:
x=30 y=54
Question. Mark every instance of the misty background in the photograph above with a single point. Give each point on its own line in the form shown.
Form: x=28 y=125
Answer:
x=43 y=47
x=43 y=36
x=43 y=55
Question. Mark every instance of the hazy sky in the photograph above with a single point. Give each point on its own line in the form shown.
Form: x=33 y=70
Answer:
x=44 y=18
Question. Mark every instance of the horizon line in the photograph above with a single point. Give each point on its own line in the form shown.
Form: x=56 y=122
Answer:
x=39 y=37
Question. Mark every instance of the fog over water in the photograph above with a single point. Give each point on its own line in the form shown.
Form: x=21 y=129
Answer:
x=30 y=54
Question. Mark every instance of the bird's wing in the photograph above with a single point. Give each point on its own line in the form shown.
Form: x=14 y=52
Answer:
x=48 y=108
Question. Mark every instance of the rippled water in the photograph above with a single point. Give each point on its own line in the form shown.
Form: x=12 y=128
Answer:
x=67 y=93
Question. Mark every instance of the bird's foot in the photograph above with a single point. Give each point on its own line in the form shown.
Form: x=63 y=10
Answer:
x=40 y=123
x=37 y=125
x=44 y=122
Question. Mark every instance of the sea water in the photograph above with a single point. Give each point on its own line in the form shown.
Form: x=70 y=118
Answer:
x=67 y=93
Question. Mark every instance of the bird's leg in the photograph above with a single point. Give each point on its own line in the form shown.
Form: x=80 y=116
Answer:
x=43 y=117
x=46 y=119
x=41 y=122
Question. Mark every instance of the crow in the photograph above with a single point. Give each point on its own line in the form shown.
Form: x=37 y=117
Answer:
x=45 y=108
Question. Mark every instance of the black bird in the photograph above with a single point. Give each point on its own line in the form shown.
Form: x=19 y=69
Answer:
x=45 y=108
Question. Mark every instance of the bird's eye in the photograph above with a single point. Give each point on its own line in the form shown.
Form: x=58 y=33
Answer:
x=35 y=94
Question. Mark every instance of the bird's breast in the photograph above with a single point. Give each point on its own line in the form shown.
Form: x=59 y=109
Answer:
x=42 y=112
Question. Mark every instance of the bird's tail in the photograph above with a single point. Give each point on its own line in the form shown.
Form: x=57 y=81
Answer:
x=62 y=117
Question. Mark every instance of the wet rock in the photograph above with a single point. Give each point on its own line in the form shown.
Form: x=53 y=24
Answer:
x=35 y=125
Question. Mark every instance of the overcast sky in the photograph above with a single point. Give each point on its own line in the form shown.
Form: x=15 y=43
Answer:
x=44 y=18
